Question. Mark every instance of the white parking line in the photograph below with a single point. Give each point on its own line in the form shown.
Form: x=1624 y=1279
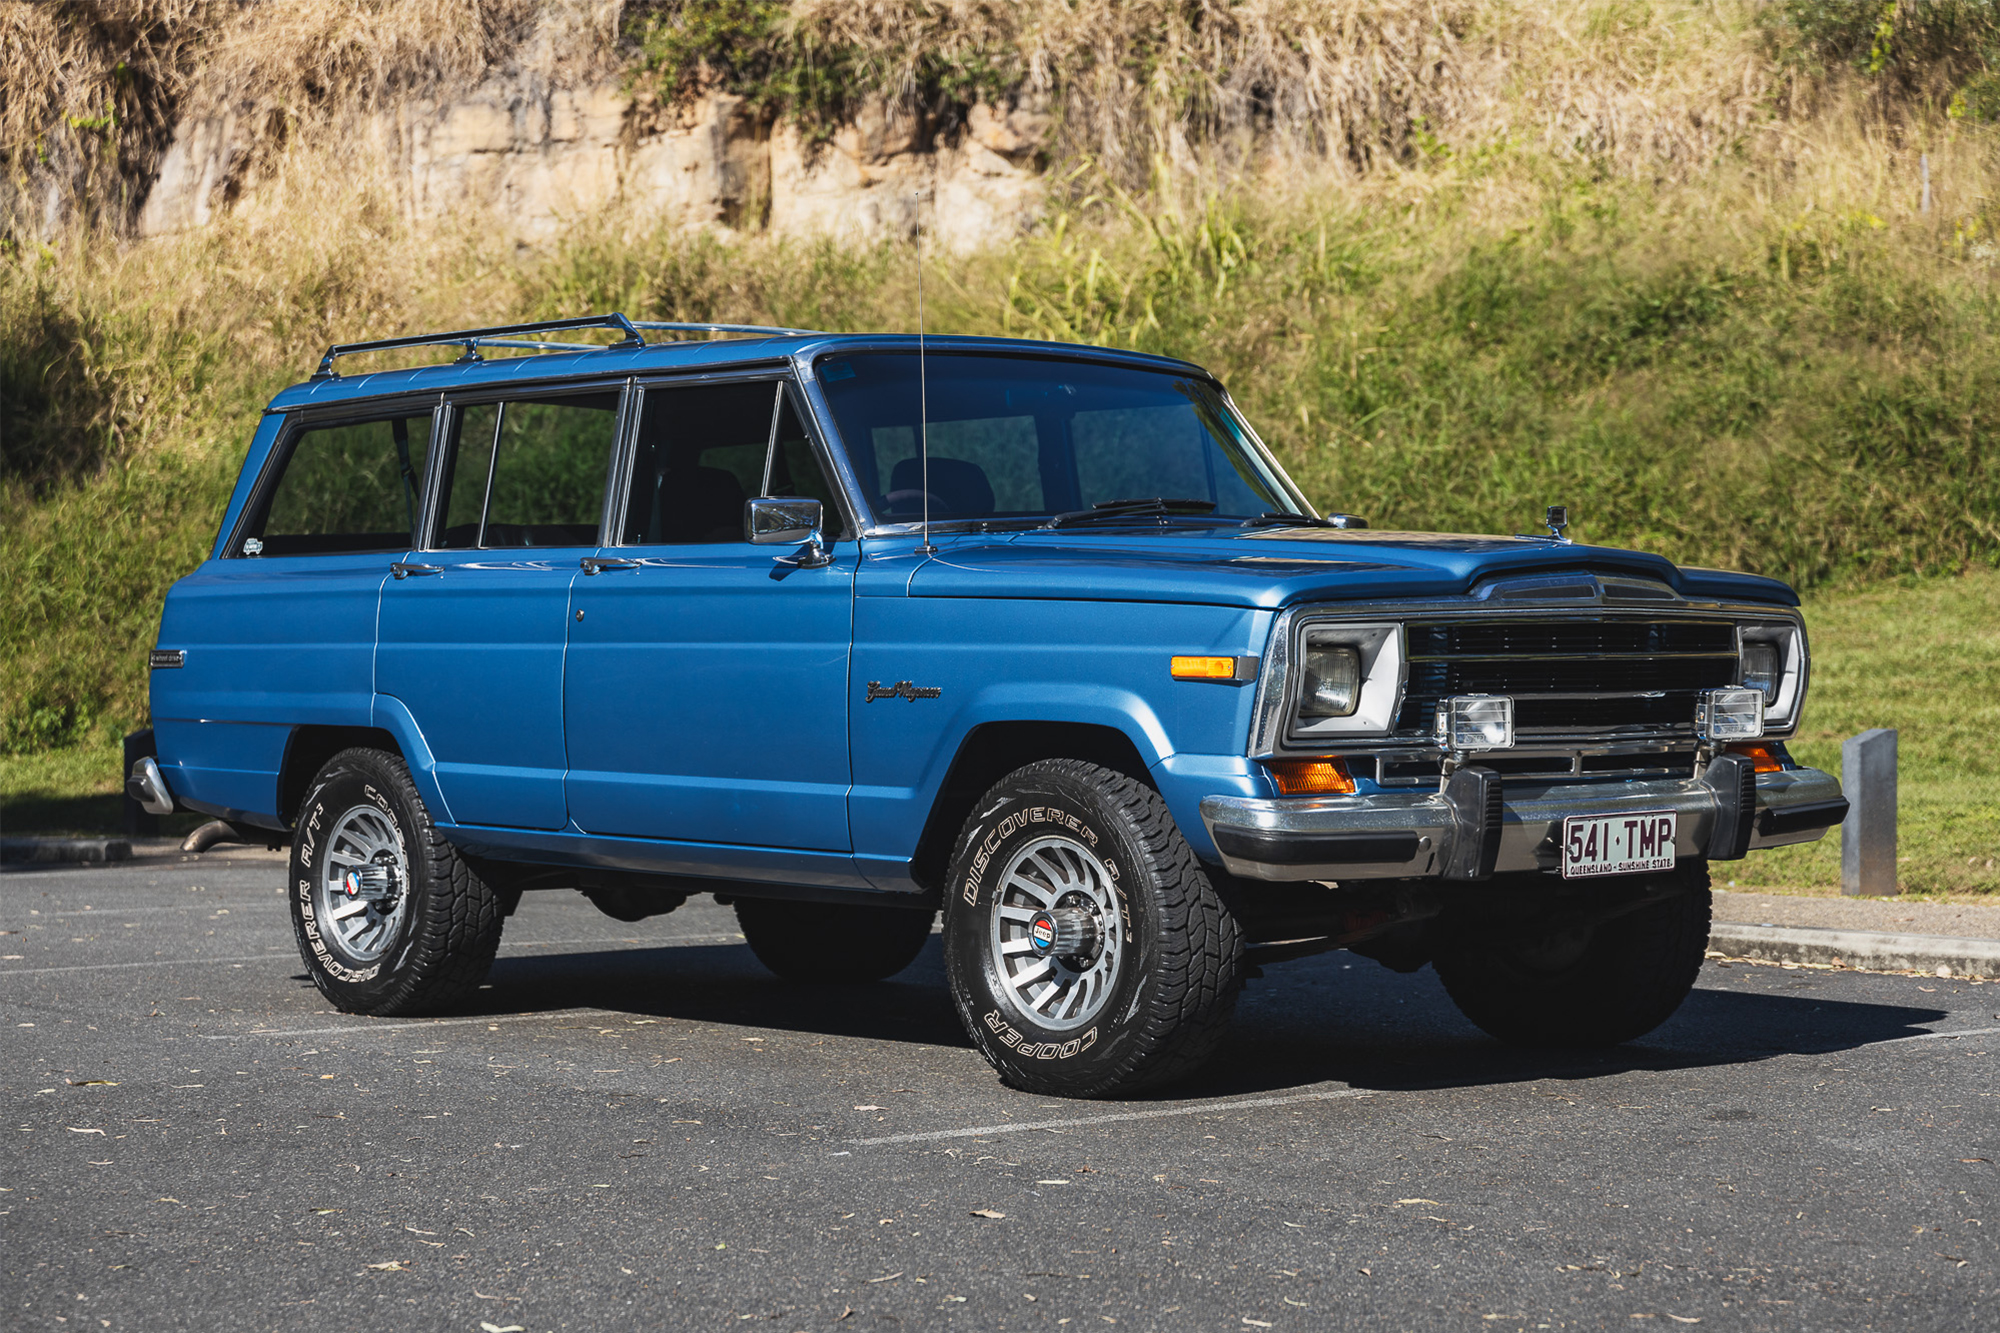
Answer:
x=367 y=1029
x=132 y=911
x=1937 y=1036
x=159 y=962
x=624 y=939
x=291 y=953
x=1209 y=1108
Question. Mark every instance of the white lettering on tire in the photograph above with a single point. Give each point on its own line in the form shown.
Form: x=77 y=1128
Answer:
x=1011 y=1038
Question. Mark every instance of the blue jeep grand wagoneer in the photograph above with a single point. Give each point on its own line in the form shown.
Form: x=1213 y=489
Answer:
x=849 y=631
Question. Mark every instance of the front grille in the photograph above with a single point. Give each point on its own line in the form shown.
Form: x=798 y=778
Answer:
x=1409 y=770
x=1570 y=677
x=1540 y=638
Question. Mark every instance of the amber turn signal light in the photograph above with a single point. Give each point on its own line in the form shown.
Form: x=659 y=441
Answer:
x=1204 y=668
x=1312 y=777
x=1761 y=758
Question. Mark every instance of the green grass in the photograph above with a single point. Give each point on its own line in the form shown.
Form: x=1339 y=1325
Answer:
x=74 y=791
x=1922 y=657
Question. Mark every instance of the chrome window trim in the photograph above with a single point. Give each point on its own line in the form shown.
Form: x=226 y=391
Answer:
x=1271 y=713
x=848 y=482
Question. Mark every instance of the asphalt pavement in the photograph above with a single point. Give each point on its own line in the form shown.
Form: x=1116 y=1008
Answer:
x=640 y=1128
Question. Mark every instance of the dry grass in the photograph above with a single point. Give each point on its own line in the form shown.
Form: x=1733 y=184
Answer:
x=1142 y=89
x=90 y=90
x=1142 y=85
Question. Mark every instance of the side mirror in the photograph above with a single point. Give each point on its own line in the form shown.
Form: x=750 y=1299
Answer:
x=787 y=521
x=1347 y=520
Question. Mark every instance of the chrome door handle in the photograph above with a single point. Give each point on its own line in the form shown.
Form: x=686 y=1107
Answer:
x=403 y=569
x=597 y=564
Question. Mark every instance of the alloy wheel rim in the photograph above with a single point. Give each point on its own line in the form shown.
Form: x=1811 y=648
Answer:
x=362 y=891
x=1052 y=892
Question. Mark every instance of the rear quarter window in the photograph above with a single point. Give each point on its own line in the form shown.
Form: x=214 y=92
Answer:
x=343 y=487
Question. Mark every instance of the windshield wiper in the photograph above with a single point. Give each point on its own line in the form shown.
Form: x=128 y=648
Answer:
x=1130 y=509
x=1287 y=520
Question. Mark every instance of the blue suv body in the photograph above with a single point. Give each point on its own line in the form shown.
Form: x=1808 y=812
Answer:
x=834 y=626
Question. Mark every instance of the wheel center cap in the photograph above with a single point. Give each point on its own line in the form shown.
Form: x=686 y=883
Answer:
x=373 y=883
x=1063 y=932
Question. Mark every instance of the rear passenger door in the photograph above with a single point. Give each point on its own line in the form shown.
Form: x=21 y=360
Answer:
x=707 y=683
x=474 y=629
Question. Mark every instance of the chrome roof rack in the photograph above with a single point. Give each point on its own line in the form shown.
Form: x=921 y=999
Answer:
x=510 y=336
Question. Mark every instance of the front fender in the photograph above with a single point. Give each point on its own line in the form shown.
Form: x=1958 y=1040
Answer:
x=973 y=662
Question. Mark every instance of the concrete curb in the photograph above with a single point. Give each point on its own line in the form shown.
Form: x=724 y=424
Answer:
x=50 y=851
x=1939 y=955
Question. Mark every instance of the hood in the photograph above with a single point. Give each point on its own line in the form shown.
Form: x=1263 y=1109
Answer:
x=1272 y=568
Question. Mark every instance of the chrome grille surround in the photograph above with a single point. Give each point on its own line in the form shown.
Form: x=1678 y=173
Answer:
x=1638 y=632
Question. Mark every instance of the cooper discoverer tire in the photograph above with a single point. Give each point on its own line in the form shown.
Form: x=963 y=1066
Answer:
x=832 y=942
x=1586 y=986
x=1087 y=951
x=389 y=918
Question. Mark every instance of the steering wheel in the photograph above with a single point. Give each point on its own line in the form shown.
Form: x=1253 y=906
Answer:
x=895 y=500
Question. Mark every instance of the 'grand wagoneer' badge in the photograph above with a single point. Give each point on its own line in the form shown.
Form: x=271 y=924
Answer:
x=902 y=689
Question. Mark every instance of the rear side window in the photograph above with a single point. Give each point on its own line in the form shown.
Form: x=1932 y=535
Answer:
x=703 y=450
x=529 y=472
x=354 y=486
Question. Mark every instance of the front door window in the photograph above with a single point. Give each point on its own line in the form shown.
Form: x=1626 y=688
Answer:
x=703 y=451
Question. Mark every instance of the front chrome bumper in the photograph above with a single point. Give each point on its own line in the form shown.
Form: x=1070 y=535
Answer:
x=1402 y=835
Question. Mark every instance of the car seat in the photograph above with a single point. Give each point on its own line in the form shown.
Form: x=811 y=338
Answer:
x=701 y=504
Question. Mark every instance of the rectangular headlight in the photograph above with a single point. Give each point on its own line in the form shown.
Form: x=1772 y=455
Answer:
x=1332 y=683
x=1772 y=661
x=1761 y=670
x=1343 y=680
x=1734 y=714
x=1467 y=722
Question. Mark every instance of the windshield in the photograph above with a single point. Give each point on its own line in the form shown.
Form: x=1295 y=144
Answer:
x=1031 y=438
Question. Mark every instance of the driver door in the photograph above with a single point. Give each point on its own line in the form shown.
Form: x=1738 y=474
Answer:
x=706 y=690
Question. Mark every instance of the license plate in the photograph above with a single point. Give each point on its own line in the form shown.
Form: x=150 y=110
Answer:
x=1617 y=844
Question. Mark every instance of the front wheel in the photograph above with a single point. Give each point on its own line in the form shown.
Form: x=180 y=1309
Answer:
x=390 y=919
x=1555 y=984
x=1087 y=952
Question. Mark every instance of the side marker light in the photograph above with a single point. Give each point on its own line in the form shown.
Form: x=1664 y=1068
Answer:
x=1209 y=668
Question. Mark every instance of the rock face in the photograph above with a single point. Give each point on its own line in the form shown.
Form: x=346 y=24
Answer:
x=536 y=156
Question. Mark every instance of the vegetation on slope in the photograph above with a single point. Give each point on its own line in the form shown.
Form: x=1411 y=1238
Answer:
x=1666 y=263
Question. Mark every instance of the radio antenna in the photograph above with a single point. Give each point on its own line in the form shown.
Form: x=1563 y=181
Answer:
x=923 y=387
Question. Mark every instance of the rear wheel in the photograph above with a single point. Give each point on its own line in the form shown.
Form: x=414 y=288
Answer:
x=832 y=942
x=1554 y=984
x=1088 y=953
x=389 y=918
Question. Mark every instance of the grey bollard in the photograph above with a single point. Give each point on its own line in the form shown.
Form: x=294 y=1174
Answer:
x=1868 y=838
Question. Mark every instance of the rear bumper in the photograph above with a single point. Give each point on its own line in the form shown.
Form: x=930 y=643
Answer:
x=148 y=786
x=1404 y=835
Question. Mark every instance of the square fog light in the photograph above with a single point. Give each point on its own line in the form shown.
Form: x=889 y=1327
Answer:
x=1467 y=722
x=1729 y=715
